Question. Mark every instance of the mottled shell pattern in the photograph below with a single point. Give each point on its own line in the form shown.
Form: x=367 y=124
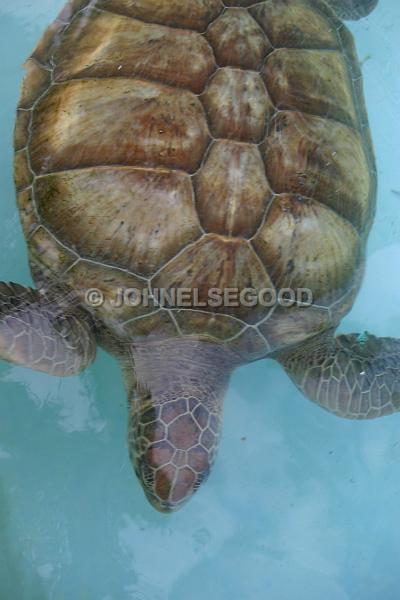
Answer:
x=198 y=144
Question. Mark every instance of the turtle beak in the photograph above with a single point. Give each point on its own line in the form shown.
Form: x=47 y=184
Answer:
x=172 y=488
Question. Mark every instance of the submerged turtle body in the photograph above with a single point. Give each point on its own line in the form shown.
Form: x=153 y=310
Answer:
x=197 y=145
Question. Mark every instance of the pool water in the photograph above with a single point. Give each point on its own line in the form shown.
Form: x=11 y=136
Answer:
x=300 y=503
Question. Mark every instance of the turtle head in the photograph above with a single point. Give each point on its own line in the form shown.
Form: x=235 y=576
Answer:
x=176 y=404
x=176 y=449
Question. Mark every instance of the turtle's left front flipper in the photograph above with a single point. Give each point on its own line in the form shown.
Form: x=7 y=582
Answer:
x=353 y=376
x=45 y=331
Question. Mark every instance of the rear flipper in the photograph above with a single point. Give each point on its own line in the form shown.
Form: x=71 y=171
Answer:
x=352 y=9
x=353 y=376
x=45 y=331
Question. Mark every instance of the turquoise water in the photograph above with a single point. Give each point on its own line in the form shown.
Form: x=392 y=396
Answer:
x=299 y=503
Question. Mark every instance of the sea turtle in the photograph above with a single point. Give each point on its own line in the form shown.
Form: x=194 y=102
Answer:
x=196 y=145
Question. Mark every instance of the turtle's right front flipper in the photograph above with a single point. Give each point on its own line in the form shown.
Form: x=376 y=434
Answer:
x=44 y=331
x=353 y=376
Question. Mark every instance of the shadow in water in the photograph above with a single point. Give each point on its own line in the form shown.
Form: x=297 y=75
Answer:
x=15 y=581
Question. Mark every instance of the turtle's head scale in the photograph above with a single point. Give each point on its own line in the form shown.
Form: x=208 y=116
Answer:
x=176 y=402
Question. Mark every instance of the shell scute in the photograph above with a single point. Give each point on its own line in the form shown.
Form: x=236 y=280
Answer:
x=199 y=144
x=21 y=130
x=36 y=81
x=136 y=219
x=295 y=24
x=86 y=275
x=322 y=159
x=287 y=326
x=50 y=256
x=250 y=345
x=217 y=263
x=159 y=324
x=22 y=173
x=191 y=14
x=27 y=212
x=232 y=190
x=306 y=245
x=238 y=40
x=312 y=81
x=238 y=105
x=156 y=126
x=108 y=45
x=220 y=327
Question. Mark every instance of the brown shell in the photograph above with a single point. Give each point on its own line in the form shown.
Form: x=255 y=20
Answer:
x=168 y=144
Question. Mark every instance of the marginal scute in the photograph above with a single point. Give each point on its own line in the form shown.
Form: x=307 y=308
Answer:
x=43 y=52
x=232 y=191
x=249 y=345
x=21 y=130
x=306 y=245
x=131 y=122
x=48 y=43
x=350 y=54
x=238 y=40
x=352 y=9
x=48 y=254
x=194 y=322
x=36 y=81
x=191 y=14
x=85 y=276
x=342 y=306
x=108 y=45
x=159 y=324
x=290 y=326
x=240 y=3
x=27 y=212
x=295 y=25
x=313 y=81
x=348 y=45
x=322 y=159
x=71 y=8
x=238 y=105
x=218 y=263
x=22 y=173
x=137 y=219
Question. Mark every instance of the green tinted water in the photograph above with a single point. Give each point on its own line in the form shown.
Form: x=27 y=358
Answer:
x=299 y=503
